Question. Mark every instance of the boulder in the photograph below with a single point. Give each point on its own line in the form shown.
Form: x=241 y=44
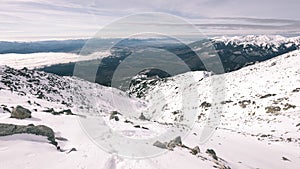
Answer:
x=212 y=153
x=205 y=105
x=20 y=113
x=114 y=115
x=195 y=150
x=160 y=145
x=285 y=159
x=178 y=141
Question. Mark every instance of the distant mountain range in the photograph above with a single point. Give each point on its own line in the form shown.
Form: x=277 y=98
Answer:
x=234 y=53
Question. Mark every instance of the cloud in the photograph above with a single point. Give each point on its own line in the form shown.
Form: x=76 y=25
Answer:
x=38 y=19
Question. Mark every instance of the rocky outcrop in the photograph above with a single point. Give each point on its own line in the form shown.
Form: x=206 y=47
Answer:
x=40 y=130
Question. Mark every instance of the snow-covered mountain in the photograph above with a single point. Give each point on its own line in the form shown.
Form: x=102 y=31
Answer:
x=239 y=51
x=259 y=40
x=252 y=116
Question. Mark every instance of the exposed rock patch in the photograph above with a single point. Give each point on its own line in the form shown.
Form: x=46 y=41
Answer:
x=273 y=109
x=267 y=95
x=244 y=103
x=288 y=106
x=66 y=112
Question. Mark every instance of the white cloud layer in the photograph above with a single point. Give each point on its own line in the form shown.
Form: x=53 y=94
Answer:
x=56 y=19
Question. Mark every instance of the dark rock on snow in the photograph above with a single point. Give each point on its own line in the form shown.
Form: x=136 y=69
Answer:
x=212 y=153
x=40 y=130
x=195 y=150
x=20 y=113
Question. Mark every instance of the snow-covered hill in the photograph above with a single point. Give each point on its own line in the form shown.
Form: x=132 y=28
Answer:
x=252 y=116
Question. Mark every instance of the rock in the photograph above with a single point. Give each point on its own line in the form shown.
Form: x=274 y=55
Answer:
x=175 y=142
x=20 y=113
x=41 y=130
x=52 y=111
x=171 y=145
x=195 y=150
x=127 y=121
x=66 y=112
x=114 y=115
x=176 y=112
x=264 y=135
x=267 y=95
x=244 y=103
x=116 y=118
x=145 y=128
x=6 y=109
x=226 y=101
x=212 y=153
x=142 y=117
x=205 y=105
x=49 y=110
x=137 y=126
x=73 y=149
x=288 y=106
x=61 y=139
x=273 y=109
x=285 y=159
x=178 y=141
x=7 y=129
x=160 y=145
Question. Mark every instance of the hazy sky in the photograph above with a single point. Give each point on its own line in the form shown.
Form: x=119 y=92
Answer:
x=59 y=19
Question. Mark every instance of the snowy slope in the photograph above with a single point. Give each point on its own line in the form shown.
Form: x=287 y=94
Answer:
x=18 y=89
x=246 y=136
x=252 y=138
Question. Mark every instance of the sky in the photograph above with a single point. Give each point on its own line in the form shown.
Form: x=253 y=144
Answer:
x=23 y=20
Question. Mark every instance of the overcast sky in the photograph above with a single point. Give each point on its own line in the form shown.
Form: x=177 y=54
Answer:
x=61 y=19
